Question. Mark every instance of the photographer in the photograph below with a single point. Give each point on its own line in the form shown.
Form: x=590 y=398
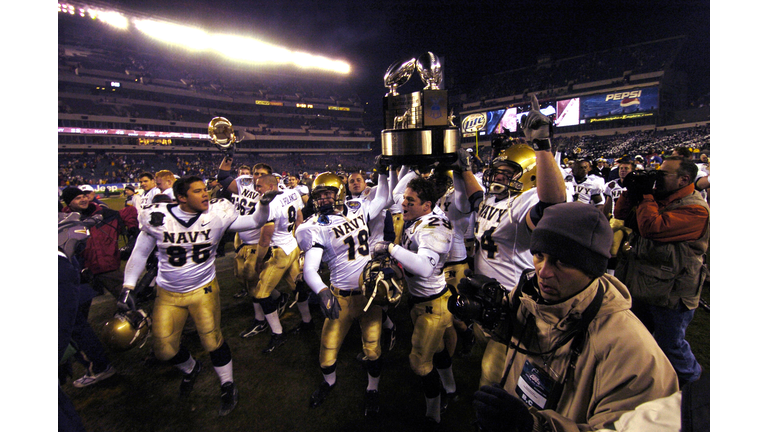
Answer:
x=664 y=265
x=571 y=337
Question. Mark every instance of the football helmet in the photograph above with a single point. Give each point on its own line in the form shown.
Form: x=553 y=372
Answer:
x=126 y=330
x=382 y=281
x=522 y=159
x=324 y=182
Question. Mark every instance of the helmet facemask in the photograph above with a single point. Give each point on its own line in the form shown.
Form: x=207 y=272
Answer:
x=498 y=179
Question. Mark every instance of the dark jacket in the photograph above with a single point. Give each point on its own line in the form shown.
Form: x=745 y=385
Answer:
x=102 y=254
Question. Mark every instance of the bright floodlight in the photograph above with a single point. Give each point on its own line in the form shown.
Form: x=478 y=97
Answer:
x=191 y=38
x=115 y=19
x=237 y=48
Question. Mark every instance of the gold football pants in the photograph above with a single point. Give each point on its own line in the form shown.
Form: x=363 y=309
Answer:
x=335 y=330
x=279 y=266
x=430 y=320
x=170 y=313
x=245 y=264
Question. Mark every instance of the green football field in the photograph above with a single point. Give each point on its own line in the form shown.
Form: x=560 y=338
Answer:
x=275 y=388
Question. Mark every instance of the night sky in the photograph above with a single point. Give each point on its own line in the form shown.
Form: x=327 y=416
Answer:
x=473 y=38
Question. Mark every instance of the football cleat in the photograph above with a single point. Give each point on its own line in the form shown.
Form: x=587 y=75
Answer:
x=275 y=341
x=92 y=378
x=240 y=294
x=303 y=327
x=318 y=397
x=188 y=382
x=228 y=398
x=371 y=403
x=256 y=328
x=447 y=399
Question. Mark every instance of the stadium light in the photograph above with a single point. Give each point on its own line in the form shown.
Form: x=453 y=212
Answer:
x=188 y=37
x=232 y=47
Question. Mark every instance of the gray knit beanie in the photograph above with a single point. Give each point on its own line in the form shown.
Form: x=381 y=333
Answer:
x=577 y=234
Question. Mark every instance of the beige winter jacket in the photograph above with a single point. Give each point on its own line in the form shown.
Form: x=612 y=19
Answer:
x=621 y=365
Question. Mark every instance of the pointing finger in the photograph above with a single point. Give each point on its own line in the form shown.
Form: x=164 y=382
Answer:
x=534 y=103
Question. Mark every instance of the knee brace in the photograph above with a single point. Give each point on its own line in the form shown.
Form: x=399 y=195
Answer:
x=221 y=355
x=268 y=305
x=442 y=360
x=431 y=384
x=373 y=367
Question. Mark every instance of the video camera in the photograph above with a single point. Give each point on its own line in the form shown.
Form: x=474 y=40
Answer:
x=481 y=299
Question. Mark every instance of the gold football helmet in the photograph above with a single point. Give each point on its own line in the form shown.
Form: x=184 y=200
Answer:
x=522 y=159
x=126 y=330
x=382 y=281
x=328 y=181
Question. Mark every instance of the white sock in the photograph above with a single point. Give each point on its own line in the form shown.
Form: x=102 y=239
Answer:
x=274 y=323
x=330 y=378
x=373 y=383
x=187 y=366
x=611 y=272
x=306 y=316
x=224 y=372
x=446 y=377
x=258 y=312
x=433 y=408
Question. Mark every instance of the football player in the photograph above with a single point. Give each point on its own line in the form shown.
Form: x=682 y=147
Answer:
x=519 y=184
x=276 y=240
x=381 y=228
x=147 y=184
x=293 y=183
x=338 y=234
x=426 y=245
x=612 y=192
x=165 y=180
x=186 y=236
x=588 y=188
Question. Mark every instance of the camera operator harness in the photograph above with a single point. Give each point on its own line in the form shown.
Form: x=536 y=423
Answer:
x=535 y=387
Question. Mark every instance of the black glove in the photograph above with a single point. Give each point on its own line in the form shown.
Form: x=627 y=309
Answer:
x=381 y=166
x=125 y=301
x=537 y=127
x=498 y=410
x=380 y=249
x=329 y=305
x=464 y=160
x=267 y=197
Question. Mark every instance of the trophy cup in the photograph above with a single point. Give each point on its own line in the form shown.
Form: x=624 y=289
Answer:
x=417 y=127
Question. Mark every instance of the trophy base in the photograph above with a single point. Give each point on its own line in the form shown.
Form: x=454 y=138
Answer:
x=420 y=146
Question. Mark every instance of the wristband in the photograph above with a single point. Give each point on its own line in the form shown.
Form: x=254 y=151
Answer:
x=541 y=144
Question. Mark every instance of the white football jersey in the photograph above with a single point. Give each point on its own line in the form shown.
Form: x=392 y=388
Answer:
x=503 y=240
x=144 y=200
x=282 y=211
x=461 y=222
x=613 y=189
x=591 y=185
x=245 y=203
x=344 y=239
x=186 y=243
x=432 y=231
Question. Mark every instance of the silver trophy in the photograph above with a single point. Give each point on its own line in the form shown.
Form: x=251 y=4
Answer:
x=417 y=126
x=430 y=71
x=398 y=74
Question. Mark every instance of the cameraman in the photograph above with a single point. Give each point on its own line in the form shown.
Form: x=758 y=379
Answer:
x=664 y=268
x=571 y=337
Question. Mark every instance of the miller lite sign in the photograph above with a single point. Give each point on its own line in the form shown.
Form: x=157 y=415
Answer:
x=474 y=122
